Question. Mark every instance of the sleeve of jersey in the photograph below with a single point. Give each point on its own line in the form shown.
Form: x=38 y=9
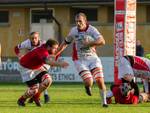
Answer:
x=24 y=44
x=16 y=49
x=96 y=33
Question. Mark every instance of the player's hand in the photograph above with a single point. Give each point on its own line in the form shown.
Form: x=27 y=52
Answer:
x=86 y=42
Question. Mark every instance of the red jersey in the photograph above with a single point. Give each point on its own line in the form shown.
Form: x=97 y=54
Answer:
x=35 y=58
x=119 y=98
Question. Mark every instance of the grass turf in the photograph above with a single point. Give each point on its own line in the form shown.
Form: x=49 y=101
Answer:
x=65 y=98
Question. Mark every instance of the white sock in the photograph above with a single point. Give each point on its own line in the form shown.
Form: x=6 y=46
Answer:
x=145 y=82
x=103 y=95
x=46 y=92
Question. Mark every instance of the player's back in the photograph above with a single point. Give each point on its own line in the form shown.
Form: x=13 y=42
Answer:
x=35 y=58
x=119 y=98
x=141 y=63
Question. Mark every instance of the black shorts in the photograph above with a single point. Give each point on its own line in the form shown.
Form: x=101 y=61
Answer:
x=37 y=79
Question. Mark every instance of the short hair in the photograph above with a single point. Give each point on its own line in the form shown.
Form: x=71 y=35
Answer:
x=81 y=14
x=32 y=33
x=51 y=42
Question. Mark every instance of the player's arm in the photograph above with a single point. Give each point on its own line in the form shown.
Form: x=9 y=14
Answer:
x=22 y=48
x=20 y=52
x=61 y=48
x=133 y=86
x=98 y=39
x=98 y=42
x=52 y=62
x=64 y=44
x=110 y=94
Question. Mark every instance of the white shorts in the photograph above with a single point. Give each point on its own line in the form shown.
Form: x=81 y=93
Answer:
x=28 y=74
x=88 y=63
x=125 y=69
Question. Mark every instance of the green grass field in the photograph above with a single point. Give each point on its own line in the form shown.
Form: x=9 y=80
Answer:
x=65 y=98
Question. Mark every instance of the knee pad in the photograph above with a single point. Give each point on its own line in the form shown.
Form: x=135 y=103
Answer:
x=46 y=81
x=31 y=91
x=85 y=75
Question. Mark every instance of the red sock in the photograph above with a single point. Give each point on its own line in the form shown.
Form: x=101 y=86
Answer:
x=37 y=95
x=22 y=98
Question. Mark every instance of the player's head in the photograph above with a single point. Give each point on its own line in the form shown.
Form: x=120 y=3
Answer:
x=52 y=46
x=125 y=89
x=81 y=21
x=34 y=37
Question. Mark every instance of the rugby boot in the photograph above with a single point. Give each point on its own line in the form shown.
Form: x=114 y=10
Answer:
x=46 y=99
x=21 y=101
x=88 y=90
x=105 y=105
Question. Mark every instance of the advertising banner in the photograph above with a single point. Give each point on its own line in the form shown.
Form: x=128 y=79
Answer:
x=9 y=70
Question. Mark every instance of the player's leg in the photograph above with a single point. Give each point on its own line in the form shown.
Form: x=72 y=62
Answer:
x=88 y=80
x=85 y=74
x=149 y=87
x=29 y=77
x=97 y=73
x=45 y=81
x=30 y=92
x=46 y=96
x=109 y=94
x=146 y=86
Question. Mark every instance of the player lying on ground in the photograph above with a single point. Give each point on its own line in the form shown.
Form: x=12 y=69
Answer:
x=24 y=47
x=134 y=66
x=123 y=94
x=41 y=80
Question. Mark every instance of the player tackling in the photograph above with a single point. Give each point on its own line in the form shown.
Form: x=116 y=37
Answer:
x=24 y=47
x=41 y=79
x=134 y=66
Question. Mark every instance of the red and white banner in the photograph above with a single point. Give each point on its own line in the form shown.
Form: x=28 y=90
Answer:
x=124 y=31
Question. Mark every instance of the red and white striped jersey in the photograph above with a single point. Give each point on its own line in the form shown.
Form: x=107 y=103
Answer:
x=76 y=36
x=134 y=66
x=27 y=45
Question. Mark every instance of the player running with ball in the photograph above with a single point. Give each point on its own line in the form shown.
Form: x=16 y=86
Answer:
x=85 y=39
